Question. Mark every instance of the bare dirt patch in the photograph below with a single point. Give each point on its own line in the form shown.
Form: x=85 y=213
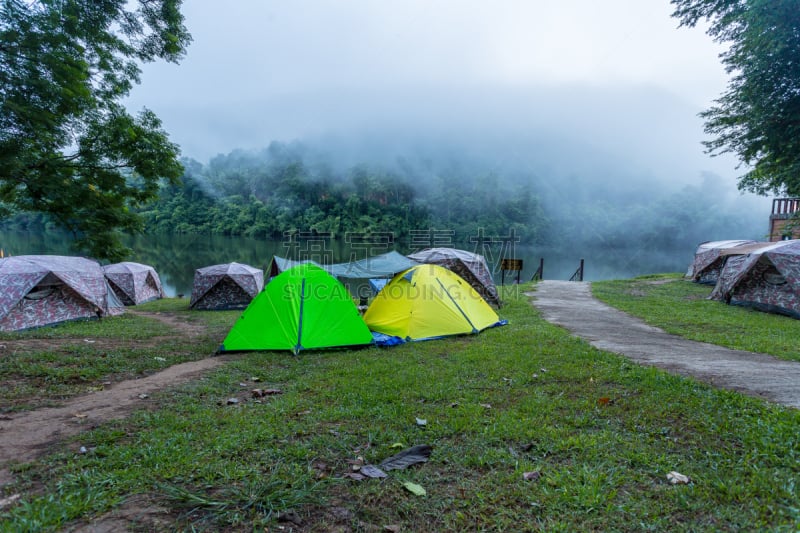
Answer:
x=28 y=435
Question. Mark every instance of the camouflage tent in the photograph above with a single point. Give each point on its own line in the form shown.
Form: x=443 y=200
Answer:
x=226 y=286
x=471 y=267
x=710 y=257
x=134 y=283
x=767 y=279
x=39 y=290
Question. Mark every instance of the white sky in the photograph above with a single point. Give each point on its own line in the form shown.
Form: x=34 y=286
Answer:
x=262 y=70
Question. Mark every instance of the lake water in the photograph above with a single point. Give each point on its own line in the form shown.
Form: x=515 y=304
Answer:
x=176 y=257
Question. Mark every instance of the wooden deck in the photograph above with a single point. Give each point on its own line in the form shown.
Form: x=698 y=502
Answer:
x=784 y=222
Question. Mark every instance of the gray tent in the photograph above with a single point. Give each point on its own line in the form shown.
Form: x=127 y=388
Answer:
x=225 y=286
x=134 y=283
x=379 y=266
x=470 y=266
x=710 y=257
x=39 y=290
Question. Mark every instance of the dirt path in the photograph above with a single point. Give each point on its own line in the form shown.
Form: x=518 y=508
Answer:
x=572 y=306
x=27 y=435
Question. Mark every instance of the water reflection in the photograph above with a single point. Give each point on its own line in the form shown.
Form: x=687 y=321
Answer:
x=176 y=257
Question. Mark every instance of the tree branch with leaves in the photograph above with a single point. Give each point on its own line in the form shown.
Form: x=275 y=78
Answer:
x=758 y=117
x=68 y=148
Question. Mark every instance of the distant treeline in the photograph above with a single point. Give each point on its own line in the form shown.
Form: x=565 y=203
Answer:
x=267 y=194
x=290 y=188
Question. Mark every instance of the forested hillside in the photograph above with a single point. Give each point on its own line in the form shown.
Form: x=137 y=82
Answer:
x=285 y=189
x=289 y=188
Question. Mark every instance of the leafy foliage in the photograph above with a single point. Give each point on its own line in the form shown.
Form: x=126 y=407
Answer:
x=758 y=117
x=68 y=148
x=284 y=190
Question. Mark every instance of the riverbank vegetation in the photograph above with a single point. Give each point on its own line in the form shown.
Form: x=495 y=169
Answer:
x=531 y=429
x=290 y=189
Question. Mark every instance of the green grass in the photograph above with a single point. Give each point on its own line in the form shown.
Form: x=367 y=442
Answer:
x=682 y=307
x=602 y=432
x=43 y=366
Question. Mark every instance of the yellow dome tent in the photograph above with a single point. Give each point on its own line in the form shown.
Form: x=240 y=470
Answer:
x=429 y=301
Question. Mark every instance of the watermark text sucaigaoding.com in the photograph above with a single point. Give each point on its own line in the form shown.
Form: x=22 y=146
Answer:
x=403 y=290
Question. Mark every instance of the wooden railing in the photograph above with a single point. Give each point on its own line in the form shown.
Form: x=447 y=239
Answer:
x=539 y=274
x=785 y=206
x=578 y=275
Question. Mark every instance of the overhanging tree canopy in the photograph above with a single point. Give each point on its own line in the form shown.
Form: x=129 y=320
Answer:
x=68 y=148
x=758 y=117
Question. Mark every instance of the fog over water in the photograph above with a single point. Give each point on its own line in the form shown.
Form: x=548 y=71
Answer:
x=593 y=105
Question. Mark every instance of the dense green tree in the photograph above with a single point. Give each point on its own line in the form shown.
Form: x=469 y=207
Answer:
x=758 y=117
x=68 y=148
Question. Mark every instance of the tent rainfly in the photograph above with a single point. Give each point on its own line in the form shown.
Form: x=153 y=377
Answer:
x=427 y=302
x=767 y=279
x=379 y=266
x=469 y=266
x=40 y=290
x=225 y=286
x=302 y=308
x=134 y=283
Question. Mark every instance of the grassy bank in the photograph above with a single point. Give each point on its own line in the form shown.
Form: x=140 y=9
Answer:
x=600 y=435
x=682 y=308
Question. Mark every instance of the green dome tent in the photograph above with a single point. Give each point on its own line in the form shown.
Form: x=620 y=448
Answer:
x=303 y=308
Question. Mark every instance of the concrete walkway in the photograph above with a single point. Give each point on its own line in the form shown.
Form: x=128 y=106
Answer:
x=571 y=305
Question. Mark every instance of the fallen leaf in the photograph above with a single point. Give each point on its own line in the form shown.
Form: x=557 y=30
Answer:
x=397 y=445
x=392 y=528
x=80 y=415
x=408 y=457
x=531 y=476
x=354 y=476
x=414 y=488
x=676 y=478
x=373 y=471
x=605 y=400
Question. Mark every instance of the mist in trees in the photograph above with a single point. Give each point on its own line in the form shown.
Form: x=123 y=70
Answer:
x=303 y=187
